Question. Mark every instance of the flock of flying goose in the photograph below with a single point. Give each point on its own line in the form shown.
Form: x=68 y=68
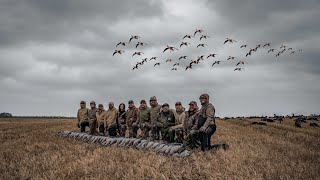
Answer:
x=198 y=33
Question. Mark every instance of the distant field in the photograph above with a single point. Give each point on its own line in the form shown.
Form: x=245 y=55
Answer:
x=30 y=149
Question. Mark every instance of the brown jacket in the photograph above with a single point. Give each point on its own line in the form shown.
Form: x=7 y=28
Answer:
x=207 y=111
x=132 y=116
x=101 y=116
x=154 y=113
x=111 y=116
x=82 y=115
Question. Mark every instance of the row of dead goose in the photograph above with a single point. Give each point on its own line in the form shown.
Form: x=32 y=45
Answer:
x=174 y=149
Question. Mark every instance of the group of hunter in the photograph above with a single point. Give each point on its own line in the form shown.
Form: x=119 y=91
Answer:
x=193 y=127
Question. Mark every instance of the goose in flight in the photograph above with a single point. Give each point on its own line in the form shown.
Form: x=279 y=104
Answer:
x=121 y=43
x=137 y=53
x=267 y=44
x=170 y=48
x=243 y=46
x=200 y=57
x=176 y=64
x=187 y=36
x=238 y=69
x=155 y=58
x=141 y=44
x=271 y=50
x=133 y=37
x=184 y=43
x=231 y=57
x=202 y=45
x=117 y=52
x=197 y=31
x=182 y=57
x=135 y=67
x=229 y=40
x=156 y=64
x=282 y=46
x=204 y=37
x=169 y=60
x=241 y=62
x=174 y=69
x=144 y=60
x=211 y=55
x=216 y=62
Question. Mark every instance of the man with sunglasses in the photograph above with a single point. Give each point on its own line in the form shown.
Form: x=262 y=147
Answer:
x=82 y=117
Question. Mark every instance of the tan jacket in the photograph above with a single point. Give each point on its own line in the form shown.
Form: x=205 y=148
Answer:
x=101 y=116
x=180 y=117
x=82 y=115
x=111 y=116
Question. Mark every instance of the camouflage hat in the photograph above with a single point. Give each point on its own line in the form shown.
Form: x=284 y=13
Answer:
x=92 y=102
x=143 y=102
x=178 y=103
x=165 y=104
x=130 y=102
x=82 y=102
x=153 y=98
x=100 y=105
x=193 y=103
x=204 y=96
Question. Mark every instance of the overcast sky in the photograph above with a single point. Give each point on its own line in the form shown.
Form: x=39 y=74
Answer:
x=55 y=53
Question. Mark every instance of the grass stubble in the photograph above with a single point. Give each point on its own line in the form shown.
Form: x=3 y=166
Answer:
x=30 y=149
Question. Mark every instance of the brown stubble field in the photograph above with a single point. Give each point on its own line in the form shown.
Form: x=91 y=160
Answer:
x=31 y=150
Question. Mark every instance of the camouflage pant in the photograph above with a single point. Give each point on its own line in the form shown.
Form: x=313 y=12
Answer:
x=154 y=133
x=145 y=129
x=122 y=129
x=166 y=133
x=133 y=130
x=179 y=135
x=93 y=127
x=193 y=139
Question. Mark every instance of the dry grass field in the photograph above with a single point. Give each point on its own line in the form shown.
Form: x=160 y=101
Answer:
x=30 y=150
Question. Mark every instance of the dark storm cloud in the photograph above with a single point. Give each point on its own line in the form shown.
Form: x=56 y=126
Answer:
x=55 y=53
x=55 y=21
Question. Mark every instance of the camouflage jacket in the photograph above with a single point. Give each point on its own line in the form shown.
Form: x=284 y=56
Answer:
x=207 y=111
x=92 y=114
x=154 y=113
x=166 y=119
x=191 y=120
x=132 y=116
